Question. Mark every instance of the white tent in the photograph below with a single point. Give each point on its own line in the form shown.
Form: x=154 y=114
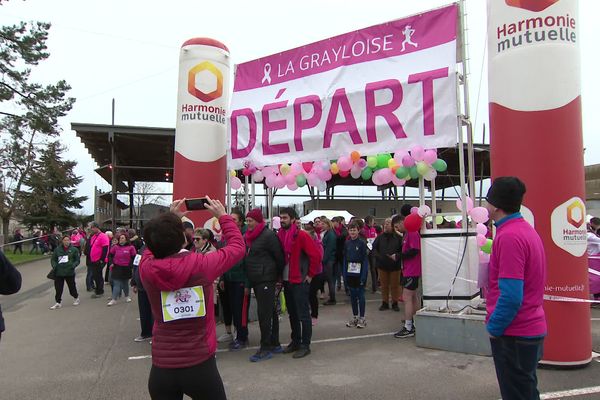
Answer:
x=328 y=213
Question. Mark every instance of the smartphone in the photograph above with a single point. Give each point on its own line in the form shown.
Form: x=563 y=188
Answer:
x=196 y=204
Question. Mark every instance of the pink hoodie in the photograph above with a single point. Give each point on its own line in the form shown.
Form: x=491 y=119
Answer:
x=188 y=342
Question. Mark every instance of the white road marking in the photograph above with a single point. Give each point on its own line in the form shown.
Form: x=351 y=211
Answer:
x=313 y=342
x=570 y=393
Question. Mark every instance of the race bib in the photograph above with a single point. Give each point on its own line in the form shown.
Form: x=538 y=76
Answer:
x=136 y=260
x=63 y=259
x=354 y=267
x=183 y=303
x=370 y=243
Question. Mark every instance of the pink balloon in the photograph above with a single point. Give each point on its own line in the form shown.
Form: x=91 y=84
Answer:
x=324 y=165
x=312 y=179
x=484 y=258
x=292 y=186
x=377 y=177
x=276 y=223
x=290 y=179
x=408 y=161
x=258 y=176
x=417 y=153
x=344 y=163
x=362 y=163
x=398 y=182
x=268 y=171
x=430 y=156
x=469 y=204
x=279 y=181
x=236 y=183
x=386 y=175
x=480 y=215
x=424 y=210
x=481 y=239
x=481 y=229
x=355 y=171
x=399 y=156
x=296 y=168
x=414 y=210
x=270 y=180
x=323 y=174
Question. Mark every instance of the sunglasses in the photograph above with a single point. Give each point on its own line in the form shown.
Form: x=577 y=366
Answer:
x=197 y=239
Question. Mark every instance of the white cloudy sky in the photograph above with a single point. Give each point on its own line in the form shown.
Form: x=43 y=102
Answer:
x=128 y=50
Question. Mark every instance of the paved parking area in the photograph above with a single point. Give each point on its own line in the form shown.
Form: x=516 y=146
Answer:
x=87 y=352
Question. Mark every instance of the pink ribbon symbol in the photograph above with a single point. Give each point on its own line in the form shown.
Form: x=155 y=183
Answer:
x=267 y=72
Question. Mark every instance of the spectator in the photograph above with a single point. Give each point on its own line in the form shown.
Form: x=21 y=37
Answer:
x=202 y=241
x=303 y=262
x=387 y=250
x=35 y=242
x=369 y=233
x=316 y=283
x=96 y=257
x=185 y=366
x=135 y=240
x=341 y=233
x=517 y=273
x=120 y=259
x=10 y=283
x=64 y=260
x=75 y=239
x=264 y=264
x=356 y=267
x=145 y=312
x=17 y=238
x=329 y=249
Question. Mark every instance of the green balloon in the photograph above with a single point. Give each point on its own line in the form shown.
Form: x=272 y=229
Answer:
x=487 y=247
x=422 y=168
x=402 y=173
x=439 y=220
x=366 y=173
x=300 y=180
x=382 y=160
x=440 y=165
x=413 y=173
x=371 y=161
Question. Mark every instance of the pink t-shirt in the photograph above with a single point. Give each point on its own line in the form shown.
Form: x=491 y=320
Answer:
x=518 y=253
x=97 y=242
x=411 y=266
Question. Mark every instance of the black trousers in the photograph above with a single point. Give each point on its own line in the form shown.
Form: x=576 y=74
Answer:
x=200 y=382
x=268 y=319
x=146 y=320
x=239 y=304
x=373 y=271
x=19 y=248
x=296 y=299
x=59 y=285
x=225 y=306
x=516 y=360
x=315 y=285
x=97 y=276
x=329 y=278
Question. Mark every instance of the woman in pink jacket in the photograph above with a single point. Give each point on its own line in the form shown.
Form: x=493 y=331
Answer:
x=179 y=285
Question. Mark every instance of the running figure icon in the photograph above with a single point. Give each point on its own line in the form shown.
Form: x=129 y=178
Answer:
x=408 y=32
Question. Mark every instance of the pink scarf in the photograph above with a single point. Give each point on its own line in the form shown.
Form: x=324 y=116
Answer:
x=251 y=235
x=286 y=237
x=338 y=231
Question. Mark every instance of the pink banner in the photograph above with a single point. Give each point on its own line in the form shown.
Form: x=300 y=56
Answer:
x=391 y=39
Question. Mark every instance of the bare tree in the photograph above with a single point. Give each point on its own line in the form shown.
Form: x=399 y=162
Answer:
x=146 y=195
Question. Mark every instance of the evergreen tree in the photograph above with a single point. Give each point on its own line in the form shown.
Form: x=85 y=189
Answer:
x=29 y=110
x=53 y=185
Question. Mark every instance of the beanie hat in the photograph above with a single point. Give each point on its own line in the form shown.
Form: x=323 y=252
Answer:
x=506 y=193
x=255 y=214
x=405 y=210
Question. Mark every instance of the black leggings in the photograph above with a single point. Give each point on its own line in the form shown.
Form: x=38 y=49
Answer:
x=200 y=382
x=59 y=285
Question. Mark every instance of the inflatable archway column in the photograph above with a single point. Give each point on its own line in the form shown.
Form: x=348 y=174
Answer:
x=200 y=136
x=535 y=123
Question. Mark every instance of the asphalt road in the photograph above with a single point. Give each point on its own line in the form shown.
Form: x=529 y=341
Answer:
x=87 y=352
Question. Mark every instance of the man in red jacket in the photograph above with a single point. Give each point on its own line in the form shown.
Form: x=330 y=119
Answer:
x=303 y=262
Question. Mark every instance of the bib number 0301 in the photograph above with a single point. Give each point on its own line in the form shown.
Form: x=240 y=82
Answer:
x=183 y=303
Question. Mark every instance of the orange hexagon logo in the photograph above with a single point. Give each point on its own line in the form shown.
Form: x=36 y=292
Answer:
x=199 y=94
x=576 y=214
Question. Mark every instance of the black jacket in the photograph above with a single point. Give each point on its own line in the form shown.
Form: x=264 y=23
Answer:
x=387 y=244
x=10 y=281
x=340 y=245
x=264 y=261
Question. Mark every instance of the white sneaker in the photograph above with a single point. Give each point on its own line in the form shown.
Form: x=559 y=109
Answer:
x=76 y=302
x=56 y=306
x=111 y=302
x=226 y=337
x=128 y=299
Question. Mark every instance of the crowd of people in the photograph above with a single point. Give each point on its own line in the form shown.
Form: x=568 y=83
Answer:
x=184 y=277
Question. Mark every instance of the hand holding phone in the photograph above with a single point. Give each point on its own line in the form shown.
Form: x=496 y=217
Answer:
x=196 y=204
